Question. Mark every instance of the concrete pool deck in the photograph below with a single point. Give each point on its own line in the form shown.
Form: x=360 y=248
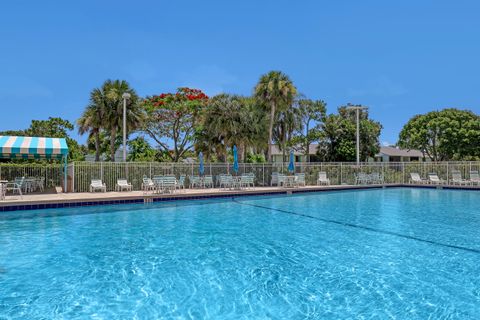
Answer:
x=59 y=200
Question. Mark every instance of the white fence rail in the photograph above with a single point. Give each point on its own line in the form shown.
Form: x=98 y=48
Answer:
x=80 y=174
x=53 y=173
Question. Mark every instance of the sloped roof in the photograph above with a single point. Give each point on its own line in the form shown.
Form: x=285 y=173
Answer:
x=296 y=150
x=397 y=152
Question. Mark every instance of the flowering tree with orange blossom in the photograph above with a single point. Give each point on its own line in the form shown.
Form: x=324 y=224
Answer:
x=172 y=119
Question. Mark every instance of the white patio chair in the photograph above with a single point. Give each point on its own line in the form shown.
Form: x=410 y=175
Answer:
x=208 y=181
x=3 y=191
x=322 y=179
x=225 y=181
x=96 y=185
x=147 y=185
x=181 y=183
x=169 y=184
x=300 y=179
x=122 y=184
x=247 y=181
x=15 y=187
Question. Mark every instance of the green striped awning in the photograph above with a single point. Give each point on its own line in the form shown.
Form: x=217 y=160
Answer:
x=13 y=147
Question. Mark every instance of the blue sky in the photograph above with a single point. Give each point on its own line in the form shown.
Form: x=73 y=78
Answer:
x=400 y=58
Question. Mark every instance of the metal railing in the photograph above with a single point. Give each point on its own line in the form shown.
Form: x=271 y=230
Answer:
x=80 y=174
x=53 y=173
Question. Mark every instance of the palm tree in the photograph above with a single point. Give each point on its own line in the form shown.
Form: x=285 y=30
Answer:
x=113 y=91
x=230 y=120
x=287 y=122
x=276 y=91
x=89 y=122
x=92 y=119
x=105 y=113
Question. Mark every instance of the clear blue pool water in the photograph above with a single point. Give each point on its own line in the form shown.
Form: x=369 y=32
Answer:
x=376 y=254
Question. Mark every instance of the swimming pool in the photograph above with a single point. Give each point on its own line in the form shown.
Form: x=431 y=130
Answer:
x=403 y=253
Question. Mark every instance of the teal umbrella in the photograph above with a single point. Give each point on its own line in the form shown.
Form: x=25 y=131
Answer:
x=291 y=165
x=201 y=169
x=235 y=159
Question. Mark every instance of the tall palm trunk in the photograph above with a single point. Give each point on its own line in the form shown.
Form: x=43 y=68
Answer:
x=270 y=132
x=97 y=145
x=113 y=137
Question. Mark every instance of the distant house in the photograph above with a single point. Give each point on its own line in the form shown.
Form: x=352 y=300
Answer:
x=118 y=156
x=277 y=154
x=395 y=154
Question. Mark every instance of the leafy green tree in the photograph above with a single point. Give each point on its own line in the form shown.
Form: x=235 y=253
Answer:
x=140 y=150
x=338 y=136
x=276 y=92
x=173 y=118
x=19 y=133
x=311 y=115
x=230 y=120
x=449 y=134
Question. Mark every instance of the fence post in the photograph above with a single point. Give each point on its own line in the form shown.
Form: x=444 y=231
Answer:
x=73 y=177
x=403 y=172
x=263 y=173
x=447 y=174
x=101 y=170
x=341 y=170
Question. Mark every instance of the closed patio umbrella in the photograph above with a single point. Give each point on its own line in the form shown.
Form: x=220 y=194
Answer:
x=201 y=168
x=291 y=164
x=235 y=159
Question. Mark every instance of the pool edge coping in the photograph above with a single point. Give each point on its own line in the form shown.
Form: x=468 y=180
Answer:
x=149 y=198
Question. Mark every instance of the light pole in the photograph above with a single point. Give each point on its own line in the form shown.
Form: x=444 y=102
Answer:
x=125 y=97
x=357 y=110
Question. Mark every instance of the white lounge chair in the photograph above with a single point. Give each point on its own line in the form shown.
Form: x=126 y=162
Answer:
x=457 y=178
x=96 y=185
x=415 y=178
x=434 y=179
x=474 y=178
x=322 y=179
x=122 y=184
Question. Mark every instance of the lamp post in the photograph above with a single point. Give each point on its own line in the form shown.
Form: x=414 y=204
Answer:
x=125 y=97
x=357 y=110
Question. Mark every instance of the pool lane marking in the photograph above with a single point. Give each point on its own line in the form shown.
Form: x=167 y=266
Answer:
x=351 y=225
